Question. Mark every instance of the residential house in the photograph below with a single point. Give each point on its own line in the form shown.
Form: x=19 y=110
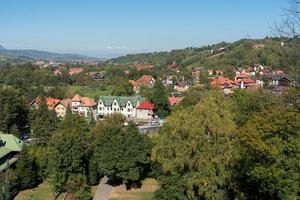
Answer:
x=10 y=147
x=97 y=76
x=196 y=74
x=169 y=80
x=84 y=106
x=174 y=100
x=246 y=83
x=144 y=111
x=172 y=66
x=75 y=70
x=182 y=86
x=143 y=67
x=280 y=80
x=225 y=84
x=127 y=106
x=145 y=80
x=57 y=105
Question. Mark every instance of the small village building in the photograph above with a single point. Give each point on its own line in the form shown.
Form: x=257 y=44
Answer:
x=145 y=80
x=84 y=106
x=182 y=86
x=224 y=83
x=145 y=111
x=75 y=70
x=10 y=147
x=127 y=106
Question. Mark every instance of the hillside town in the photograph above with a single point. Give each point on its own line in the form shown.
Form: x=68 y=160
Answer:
x=150 y=100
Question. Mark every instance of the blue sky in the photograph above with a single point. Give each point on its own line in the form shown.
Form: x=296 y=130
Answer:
x=106 y=28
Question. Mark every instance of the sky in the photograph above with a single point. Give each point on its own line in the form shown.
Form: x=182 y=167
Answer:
x=107 y=28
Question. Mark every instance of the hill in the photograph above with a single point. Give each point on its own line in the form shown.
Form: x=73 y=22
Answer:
x=32 y=55
x=273 y=52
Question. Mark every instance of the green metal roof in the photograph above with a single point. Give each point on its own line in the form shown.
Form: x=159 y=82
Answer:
x=122 y=100
x=9 y=143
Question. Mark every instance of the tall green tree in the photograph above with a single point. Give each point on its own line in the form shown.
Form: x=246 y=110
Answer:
x=268 y=167
x=196 y=146
x=68 y=151
x=122 y=152
x=42 y=122
x=26 y=170
x=246 y=103
x=13 y=110
x=160 y=99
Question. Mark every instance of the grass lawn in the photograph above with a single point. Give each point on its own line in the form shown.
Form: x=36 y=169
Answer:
x=42 y=192
x=146 y=192
x=91 y=92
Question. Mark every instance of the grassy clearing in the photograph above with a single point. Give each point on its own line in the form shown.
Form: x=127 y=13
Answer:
x=90 y=91
x=146 y=192
x=42 y=192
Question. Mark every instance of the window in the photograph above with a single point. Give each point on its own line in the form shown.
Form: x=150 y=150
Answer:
x=100 y=108
x=128 y=104
x=115 y=109
x=128 y=110
x=115 y=103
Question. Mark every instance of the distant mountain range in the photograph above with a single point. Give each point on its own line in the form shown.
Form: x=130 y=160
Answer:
x=32 y=55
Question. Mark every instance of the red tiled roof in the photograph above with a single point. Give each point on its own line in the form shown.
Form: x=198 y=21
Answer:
x=75 y=70
x=222 y=82
x=145 y=79
x=77 y=97
x=146 y=105
x=85 y=101
x=175 y=100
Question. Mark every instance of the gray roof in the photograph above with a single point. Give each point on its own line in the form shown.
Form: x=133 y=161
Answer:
x=122 y=100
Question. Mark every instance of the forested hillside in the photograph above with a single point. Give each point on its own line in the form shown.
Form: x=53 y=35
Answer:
x=273 y=52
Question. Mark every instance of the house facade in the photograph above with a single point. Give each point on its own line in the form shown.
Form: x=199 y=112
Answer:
x=84 y=106
x=127 y=106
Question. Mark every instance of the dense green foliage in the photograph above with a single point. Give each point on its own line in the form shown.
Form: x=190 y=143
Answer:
x=269 y=164
x=122 y=152
x=68 y=156
x=159 y=98
x=194 y=138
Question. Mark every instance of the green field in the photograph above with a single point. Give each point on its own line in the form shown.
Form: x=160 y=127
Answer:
x=146 y=192
x=90 y=91
x=42 y=192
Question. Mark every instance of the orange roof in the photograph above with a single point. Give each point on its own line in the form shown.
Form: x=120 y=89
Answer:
x=66 y=102
x=132 y=82
x=88 y=102
x=222 y=82
x=77 y=97
x=51 y=103
x=75 y=70
x=145 y=79
x=175 y=100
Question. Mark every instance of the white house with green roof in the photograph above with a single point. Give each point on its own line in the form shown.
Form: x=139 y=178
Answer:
x=127 y=106
x=10 y=147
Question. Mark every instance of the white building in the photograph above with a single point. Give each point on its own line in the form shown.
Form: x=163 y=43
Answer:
x=127 y=106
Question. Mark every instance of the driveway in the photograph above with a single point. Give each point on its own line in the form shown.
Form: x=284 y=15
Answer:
x=103 y=190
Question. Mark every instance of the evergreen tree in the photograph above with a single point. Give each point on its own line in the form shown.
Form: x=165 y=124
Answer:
x=26 y=170
x=68 y=154
x=42 y=122
x=160 y=99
